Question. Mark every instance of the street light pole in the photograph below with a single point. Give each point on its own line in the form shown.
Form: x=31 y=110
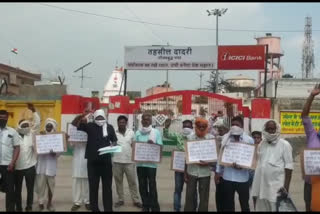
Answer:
x=217 y=13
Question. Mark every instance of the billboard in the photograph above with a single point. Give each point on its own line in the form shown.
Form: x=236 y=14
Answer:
x=291 y=122
x=171 y=57
x=241 y=57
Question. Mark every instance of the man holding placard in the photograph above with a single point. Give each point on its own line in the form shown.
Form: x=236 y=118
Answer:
x=274 y=169
x=46 y=170
x=198 y=173
x=313 y=141
x=187 y=129
x=123 y=164
x=10 y=148
x=147 y=172
x=234 y=178
x=100 y=134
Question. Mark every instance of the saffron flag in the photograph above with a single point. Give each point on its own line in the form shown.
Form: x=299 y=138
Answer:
x=14 y=50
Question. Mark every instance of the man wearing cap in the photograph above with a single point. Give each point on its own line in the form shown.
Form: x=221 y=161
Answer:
x=46 y=170
x=100 y=134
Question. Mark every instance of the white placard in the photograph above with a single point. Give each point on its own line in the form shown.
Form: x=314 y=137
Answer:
x=311 y=162
x=178 y=161
x=146 y=152
x=45 y=143
x=76 y=135
x=171 y=57
x=240 y=153
x=204 y=150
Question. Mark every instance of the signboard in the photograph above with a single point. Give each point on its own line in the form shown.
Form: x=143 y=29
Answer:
x=45 y=143
x=291 y=122
x=204 y=150
x=241 y=57
x=170 y=57
x=76 y=135
x=178 y=161
x=243 y=154
x=310 y=162
x=146 y=152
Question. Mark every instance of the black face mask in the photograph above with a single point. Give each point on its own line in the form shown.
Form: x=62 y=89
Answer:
x=3 y=123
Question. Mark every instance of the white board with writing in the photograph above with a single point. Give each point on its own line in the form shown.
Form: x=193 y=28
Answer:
x=311 y=162
x=48 y=142
x=242 y=154
x=204 y=150
x=178 y=161
x=146 y=152
x=76 y=135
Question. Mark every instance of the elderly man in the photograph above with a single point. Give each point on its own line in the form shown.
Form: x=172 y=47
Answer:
x=147 y=172
x=123 y=164
x=10 y=148
x=25 y=166
x=100 y=134
x=46 y=170
x=274 y=169
x=234 y=179
x=198 y=173
x=313 y=141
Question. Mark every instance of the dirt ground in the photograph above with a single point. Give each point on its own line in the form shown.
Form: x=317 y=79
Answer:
x=165 y=184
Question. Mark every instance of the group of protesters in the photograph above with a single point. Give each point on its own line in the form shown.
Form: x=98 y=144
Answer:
x=270 y=178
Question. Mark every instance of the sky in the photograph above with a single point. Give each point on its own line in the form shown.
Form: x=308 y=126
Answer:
x=53 y=41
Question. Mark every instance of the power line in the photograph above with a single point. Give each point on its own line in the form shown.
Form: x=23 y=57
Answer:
x=173 y=26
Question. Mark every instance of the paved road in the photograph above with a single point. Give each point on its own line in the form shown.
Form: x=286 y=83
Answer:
x=165 y=179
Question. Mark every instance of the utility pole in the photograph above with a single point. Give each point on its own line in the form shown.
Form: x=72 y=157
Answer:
x=217 y=13
x=200 y=75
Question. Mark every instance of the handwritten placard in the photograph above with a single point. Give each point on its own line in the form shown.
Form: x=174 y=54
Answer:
x=76 y=135
x=45 y=143
x=243 y=154
x=146 y=152
x=204 y=150
x=310 y=162
x=178 y=161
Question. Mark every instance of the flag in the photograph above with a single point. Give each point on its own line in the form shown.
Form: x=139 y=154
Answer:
x=14 y=50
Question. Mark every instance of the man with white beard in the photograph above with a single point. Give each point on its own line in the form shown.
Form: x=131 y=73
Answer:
x=274 y=169
x=147 y=172
x=234 y=178
x=187 y=129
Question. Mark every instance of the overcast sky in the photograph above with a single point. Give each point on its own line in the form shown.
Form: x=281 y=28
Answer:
x=51 y=40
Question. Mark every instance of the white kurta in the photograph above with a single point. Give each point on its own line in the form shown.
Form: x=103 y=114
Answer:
x=269 y=176
x=47 y=165
x=79 y=162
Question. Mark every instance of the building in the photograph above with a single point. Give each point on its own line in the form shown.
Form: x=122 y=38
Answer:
x=12 y=79
x=159 y=89
x=114 y=86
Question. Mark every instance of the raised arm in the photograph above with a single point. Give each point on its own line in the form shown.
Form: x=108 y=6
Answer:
x=307 y=105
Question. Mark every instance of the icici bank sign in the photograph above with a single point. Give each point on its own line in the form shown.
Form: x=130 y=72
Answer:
x=241 y=57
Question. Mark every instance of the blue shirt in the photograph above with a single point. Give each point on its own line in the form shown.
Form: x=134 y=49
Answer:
x=144 y=138
x=232 y=174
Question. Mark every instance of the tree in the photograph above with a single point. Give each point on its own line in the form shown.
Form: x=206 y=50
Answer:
x=222 y=84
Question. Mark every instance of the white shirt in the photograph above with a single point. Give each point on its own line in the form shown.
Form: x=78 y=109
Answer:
x=9 y=138
x=47 y=164
x=269 y=176
x=125 y=142
x=28 y=156
x=79 y=162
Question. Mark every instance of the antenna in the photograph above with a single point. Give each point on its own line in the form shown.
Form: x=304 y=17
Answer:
x=307 y=65
x=82 y=77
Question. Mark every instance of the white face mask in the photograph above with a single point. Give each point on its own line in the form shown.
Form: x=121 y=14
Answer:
x=24 y=131
x=146 y=130
x=186 y=131
x=100 y=122
x=236 y=130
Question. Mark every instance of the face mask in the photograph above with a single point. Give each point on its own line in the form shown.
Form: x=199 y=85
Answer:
x=3 y=123
x=236 y=130
x=145 y=130
x=100 y=122
x=186 y=131
x=24 y=131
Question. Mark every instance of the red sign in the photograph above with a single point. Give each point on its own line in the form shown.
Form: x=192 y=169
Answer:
x=241 y=57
